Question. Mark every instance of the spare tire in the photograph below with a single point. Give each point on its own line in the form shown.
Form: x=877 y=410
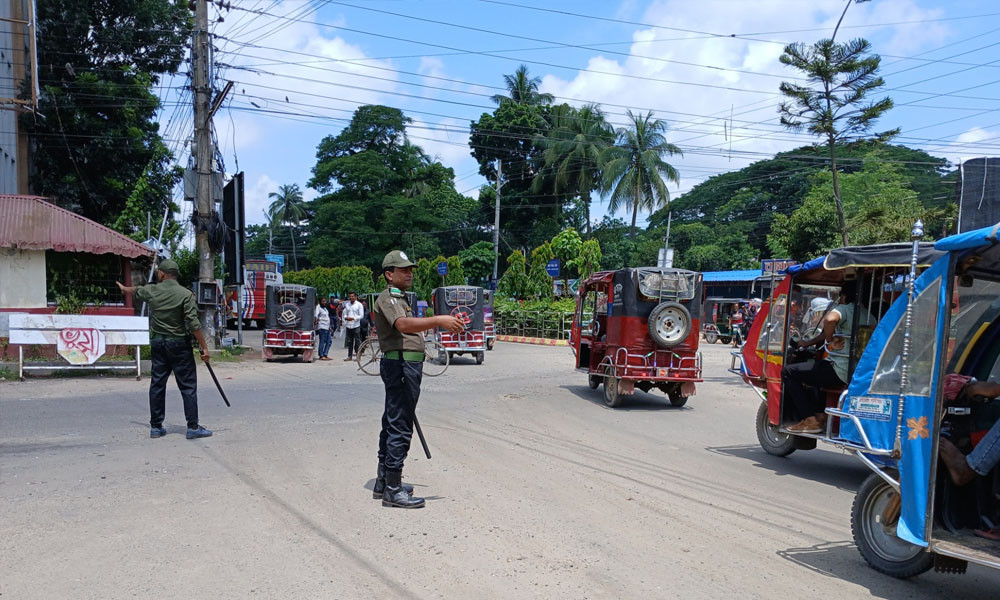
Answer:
x=669 y=324
x=290 y=316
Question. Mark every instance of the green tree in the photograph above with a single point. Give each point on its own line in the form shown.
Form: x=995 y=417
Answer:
x=588 y=260
x=523 y=89
x=832 y=106
x=456 y=274
x=289 y=208
x=514 y=281
x=477 y=260
x=425 y=278
x=635 y=173
x=539 y=282
x=94 y=138
x=566 y=247
x=573 y=149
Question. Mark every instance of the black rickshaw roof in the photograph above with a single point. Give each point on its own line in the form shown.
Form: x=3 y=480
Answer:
x=877 y=255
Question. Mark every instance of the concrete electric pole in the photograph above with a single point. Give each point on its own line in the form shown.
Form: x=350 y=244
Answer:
x=496 y=221
x=204 y=204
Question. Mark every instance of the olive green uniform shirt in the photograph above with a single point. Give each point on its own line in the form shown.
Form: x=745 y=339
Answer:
x=172 y=309
x=389 y=307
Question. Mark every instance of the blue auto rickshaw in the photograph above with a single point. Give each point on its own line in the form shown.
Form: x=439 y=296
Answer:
x=908 y=515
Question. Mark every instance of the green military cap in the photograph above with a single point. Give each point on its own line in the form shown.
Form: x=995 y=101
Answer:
x=397 y=258
x=169 y=267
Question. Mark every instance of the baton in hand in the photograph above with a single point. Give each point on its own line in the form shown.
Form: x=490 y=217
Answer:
x=226 y=400
x=420 y=434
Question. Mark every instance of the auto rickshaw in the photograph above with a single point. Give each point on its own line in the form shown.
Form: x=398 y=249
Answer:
x=639 y=328
x=288 y=322
x=467 y=303
x=718 y=313
x=801 y=298
x=489 y=325
x=909 y=516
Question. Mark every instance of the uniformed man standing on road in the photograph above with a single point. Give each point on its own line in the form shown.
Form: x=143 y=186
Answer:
x=172 y=315
x=401 y=367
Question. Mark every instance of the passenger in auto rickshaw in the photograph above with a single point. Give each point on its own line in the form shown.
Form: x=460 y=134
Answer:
x=802 y=381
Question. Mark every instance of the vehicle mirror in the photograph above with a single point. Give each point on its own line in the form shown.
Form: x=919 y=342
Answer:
x=965 y=281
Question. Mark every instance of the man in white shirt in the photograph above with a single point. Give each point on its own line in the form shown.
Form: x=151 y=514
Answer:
x=352 y=314
x=322 y=323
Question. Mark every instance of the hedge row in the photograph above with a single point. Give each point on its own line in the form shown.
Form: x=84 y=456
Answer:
x=336 y=281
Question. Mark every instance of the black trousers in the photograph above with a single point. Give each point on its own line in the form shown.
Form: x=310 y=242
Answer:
x=801 y=383
x=172 y=357
x=353 y=340
x=402 y=390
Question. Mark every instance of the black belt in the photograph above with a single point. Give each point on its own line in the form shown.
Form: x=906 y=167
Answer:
x=166 y=338
x=404 y=355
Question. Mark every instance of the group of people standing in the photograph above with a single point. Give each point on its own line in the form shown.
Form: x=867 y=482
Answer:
x=352 y=316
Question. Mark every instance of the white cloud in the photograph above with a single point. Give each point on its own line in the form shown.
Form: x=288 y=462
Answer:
x=256 y=200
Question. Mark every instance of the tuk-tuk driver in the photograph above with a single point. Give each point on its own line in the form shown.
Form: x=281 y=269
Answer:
x=401 y=368
x=802 y=381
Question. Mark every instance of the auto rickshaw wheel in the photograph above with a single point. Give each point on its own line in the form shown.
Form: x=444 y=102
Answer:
x=612 y=394
x=726 y=339
x=771 y=440
x=711 y=337
x=873 y=522
x=669 y=324
x=480 y=357
x=594 y=381
x=676 y=399
x=490 y=344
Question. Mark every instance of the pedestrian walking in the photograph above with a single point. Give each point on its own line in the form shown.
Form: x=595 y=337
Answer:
x=352 y=314
x=322 y=320
x=173 y=318
x=401 y=368
x=334 y=317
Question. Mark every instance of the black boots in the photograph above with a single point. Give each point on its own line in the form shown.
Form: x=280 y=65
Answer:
x=380 y=484
x=397 y=496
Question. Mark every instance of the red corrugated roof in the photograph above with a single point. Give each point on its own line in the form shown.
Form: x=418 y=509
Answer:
x=33 y=223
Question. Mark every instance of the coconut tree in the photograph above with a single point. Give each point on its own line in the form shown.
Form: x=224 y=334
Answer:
x=523 y=89
x=635 y=173
x=573 y=151
x=288 y=207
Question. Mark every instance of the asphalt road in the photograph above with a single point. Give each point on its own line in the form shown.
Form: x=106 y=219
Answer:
x=536 y=490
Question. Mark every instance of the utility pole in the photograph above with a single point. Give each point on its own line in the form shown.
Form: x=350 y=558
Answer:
x=496 y=221
x=204 y=204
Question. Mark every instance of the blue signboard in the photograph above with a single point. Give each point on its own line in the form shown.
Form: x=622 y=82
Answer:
x=276 y=258
x=552 y=267
x=442 y=268
x=776 y=265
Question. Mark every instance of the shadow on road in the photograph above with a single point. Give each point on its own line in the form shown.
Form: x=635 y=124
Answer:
x=640 y=402
x=841 y=560
x=838 y=470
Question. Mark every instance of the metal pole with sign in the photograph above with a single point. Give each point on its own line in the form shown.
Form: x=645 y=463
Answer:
x=442 y=271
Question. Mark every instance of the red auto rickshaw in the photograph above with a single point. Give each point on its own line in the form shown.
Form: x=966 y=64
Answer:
x=801 y=297
x=288 y=322
x=467 y=303
x=639 y=328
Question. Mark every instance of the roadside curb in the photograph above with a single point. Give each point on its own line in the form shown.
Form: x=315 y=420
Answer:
x=518 y=339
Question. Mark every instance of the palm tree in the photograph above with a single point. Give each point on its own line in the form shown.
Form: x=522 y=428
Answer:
x=523 y=89
x=634 y=170
x=288 y=207
x=417 y=160
x=573 y=150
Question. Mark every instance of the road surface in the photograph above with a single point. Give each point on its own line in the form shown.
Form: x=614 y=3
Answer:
x=535 y=490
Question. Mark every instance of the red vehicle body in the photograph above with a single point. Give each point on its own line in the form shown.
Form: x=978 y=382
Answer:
x=257 y=275
x=791 y=315
x=639 y=328
x=288 y=322
x=467 y=303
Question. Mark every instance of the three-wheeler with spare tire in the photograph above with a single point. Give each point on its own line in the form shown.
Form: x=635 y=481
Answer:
x=288 y=322
x=922 y=398
x=802 y=297
x=639 y=328
x=467 y=303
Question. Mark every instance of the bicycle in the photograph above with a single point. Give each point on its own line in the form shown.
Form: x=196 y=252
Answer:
x=436 y=358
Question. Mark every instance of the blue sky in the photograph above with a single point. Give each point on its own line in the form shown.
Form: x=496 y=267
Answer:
x=302 y=66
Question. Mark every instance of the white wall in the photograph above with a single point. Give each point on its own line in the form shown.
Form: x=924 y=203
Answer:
x=22 y=278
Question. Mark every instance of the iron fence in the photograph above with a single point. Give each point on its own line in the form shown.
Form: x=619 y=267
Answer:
x=553 y=325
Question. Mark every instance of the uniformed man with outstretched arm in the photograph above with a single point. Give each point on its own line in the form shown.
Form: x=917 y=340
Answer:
x=401 y=367
x=173 y=314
